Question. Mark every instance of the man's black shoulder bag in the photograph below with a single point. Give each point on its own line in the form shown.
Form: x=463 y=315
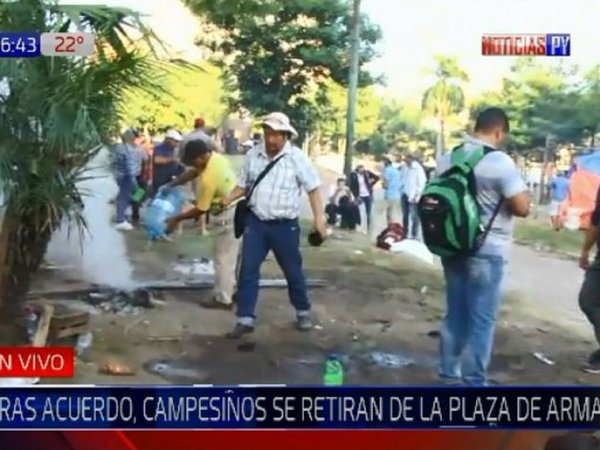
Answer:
x=242 y=208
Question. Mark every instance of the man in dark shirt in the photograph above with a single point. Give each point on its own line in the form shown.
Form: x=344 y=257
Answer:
x=589 y=295
x=165 y=164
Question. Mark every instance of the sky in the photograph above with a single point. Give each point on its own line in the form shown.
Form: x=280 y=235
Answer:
x=415 y=30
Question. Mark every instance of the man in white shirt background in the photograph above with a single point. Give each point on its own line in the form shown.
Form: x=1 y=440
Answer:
x=361 y=185
x=413 y=184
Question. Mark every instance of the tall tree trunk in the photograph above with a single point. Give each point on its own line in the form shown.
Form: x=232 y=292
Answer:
x=352 y=86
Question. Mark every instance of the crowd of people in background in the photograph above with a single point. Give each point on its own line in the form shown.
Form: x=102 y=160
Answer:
x=402 y=186
x=275 y=173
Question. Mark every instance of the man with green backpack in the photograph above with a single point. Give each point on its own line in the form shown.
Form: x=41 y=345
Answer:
x=466 y=213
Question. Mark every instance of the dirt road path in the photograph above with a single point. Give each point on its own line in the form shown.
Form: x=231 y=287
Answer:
x=547 y=284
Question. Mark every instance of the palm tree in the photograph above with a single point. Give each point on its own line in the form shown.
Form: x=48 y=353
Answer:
x=56 y=114
x=446 y=97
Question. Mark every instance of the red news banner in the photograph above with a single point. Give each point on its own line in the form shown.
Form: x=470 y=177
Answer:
x=42 y=362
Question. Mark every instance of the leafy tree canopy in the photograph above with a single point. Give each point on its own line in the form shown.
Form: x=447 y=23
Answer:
x=276 y=54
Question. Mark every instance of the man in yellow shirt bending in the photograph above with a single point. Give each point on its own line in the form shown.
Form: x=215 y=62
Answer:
x=215 y=179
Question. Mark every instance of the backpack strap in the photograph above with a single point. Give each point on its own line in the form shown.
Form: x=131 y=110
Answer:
x=262 y=175
x=459 y=157
x=489 y=225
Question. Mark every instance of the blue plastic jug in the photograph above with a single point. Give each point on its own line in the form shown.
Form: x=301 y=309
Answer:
x=167 y=203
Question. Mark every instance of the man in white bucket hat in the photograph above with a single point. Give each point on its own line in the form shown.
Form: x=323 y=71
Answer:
x=272 y=222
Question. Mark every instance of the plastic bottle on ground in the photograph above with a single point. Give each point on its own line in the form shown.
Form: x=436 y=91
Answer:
x=334 y=372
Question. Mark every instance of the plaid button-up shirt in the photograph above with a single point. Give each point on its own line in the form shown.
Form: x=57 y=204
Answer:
x=128 y=160
x=277 y=196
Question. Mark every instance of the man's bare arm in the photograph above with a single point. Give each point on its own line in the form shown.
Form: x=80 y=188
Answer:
x=184 y=178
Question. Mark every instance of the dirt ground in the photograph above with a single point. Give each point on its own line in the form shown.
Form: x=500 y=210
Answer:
x=372 y=313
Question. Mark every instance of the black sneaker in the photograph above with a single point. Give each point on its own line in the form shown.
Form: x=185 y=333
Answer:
x=239 y=331
x=213 y=303
x=304 y=323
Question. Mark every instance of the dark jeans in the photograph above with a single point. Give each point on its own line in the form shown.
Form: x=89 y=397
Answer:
x=135 y=206
x=282 y=237
x=473 y=294
x=589 y=297
x=410 y=218
x=123 y=197
x=368 y=202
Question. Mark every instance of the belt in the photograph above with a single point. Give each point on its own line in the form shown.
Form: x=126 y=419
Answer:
x=278 y=221
x=274 y=221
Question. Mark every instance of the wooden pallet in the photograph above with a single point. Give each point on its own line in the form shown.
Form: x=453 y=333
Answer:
x=65 y=322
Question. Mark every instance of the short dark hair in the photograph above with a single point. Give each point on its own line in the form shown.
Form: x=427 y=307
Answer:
x=491 y=118
x=193 y=150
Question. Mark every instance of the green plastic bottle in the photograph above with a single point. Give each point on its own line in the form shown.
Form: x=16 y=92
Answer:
x=334 y=372
x=138 y=195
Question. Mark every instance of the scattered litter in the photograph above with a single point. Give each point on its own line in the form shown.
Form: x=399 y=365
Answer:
x=174 y=371
x=591 y=370
x=246 y=346
x=116 y=369
x=355 y=337
x=359 y=252
x=8 y=382
x=123 y=303
x=133 y=324
x=543 y=358
x=164 y=338
x=201 y=266
x=543 y=330
x=434 y=334
x=84 y=342
x=318 y=327
x=389 y=360
x=423 y=298
x=413 y=248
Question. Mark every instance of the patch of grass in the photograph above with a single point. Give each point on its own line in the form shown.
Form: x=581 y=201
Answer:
x=538 y=232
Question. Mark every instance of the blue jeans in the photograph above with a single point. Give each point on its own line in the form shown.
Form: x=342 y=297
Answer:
x=283 y=238
x=368 y=202
x=410 y=218
x=473 y=293
x=123 y=197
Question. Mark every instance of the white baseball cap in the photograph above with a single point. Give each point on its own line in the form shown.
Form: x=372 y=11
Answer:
x=278 y=121
x=173 y=134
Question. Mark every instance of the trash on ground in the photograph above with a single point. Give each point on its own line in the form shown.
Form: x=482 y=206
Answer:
x=359 y=252
x=164 y=338
x=414 y=248
x=116 y=369
x=175 y=371
x=390 y=360
x=122 y=302
x=84 y=342
x=543 y=358
x=543 y=330
x=318 y=327
x=202 y=266
x=248 y=346
x=423 y=297
x=393 y=234
x=434 y=334
x=8 y=382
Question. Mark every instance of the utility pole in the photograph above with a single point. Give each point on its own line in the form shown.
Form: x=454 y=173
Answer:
x=352 y=86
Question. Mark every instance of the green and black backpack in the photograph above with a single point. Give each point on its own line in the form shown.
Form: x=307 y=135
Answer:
x=449 y=211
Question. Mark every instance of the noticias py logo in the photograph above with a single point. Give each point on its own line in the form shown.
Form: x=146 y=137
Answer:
x=556 y=44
